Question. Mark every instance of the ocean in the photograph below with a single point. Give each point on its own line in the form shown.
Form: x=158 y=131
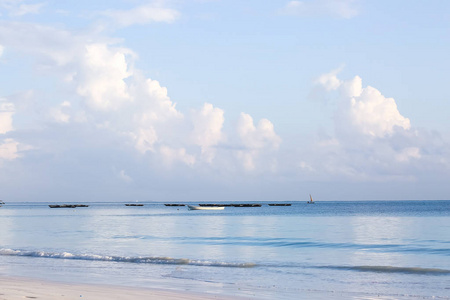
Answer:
x=326 y=250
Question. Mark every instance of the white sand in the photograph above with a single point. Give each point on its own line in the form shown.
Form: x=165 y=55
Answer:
x=12 y=288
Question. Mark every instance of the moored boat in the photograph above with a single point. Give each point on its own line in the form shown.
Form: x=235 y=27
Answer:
x=193 y=207
x=67 y=205
x=246 y=205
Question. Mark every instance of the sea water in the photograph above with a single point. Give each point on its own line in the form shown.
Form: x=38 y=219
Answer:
x=326 y=250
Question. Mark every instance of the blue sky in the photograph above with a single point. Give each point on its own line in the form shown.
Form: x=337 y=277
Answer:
x=224 y=100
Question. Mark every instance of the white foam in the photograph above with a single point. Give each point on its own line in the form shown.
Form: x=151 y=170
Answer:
x=137 y=259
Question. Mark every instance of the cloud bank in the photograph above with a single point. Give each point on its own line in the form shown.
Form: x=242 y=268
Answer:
x=371 y=140
x=109 y=94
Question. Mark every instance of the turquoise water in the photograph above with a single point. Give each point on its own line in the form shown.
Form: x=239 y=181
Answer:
x=345 y=250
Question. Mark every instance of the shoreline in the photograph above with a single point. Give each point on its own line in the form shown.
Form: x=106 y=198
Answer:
x=14 y=288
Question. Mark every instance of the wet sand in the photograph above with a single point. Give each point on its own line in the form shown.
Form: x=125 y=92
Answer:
x=14 y=288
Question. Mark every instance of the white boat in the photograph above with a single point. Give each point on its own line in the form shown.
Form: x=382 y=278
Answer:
x=192 y=207
x=311 y=201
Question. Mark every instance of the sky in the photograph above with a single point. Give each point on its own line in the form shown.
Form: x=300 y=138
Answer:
x=214 y=100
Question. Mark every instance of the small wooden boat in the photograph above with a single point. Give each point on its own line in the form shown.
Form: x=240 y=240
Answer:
x=246 y=205
x=193 y=207
x=311 y=201
x=67 y=205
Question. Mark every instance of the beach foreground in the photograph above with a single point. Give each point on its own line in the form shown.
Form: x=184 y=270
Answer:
x=12 y=288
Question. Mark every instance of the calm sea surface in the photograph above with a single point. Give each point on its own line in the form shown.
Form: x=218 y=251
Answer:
x=341 y=250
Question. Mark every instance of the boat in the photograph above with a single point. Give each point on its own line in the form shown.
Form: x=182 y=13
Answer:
x=173 y=204
x=193 y=207
x=67 y=205
x=311 y=201
x=246 y=205
x=134 y=204
x=280 y=204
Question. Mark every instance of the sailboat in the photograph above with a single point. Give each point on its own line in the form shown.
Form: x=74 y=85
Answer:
x=311 y=201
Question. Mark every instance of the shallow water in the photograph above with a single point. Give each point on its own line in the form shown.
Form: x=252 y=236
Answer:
x=348 y=250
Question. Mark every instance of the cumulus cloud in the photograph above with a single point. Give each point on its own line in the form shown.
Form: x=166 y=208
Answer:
x=375 y=115
x=152 y=12
x=145 y=139
x=60 y=114
x=112 y=99
x=207 y=132
x=373 y=140
x=337 y=8
x=123 y=176
x=406 y=154
x=255 y=139
x=329 y=80
x=172 y=155
x=6 y=116
x=101 y=79
x=364 y=109
x=9 y=149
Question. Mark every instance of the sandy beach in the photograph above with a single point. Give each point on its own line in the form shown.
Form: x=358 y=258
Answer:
x=14 y=288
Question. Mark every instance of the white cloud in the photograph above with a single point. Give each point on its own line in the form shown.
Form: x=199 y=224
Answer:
x=101 y=78
x=255 y=139
x=9 y=149
x=2 y=49
x=171 y=155
x=373 y=140
x=329 y=80
x=375 y=115
x=143 y=15
x=408 y=153
x=123 y=176
x=18 y=8
x=337 y=8
x=115 y=99
x=364 y=109
x=24 y=9
x=53 y=48
x=153 y=102
x=6 y=116
x=207 y=133
x=59 y=114
x=145 y=139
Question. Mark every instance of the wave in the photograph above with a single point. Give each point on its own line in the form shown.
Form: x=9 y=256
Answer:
x=299 y=243
x=125 y=259
x=390 y=269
